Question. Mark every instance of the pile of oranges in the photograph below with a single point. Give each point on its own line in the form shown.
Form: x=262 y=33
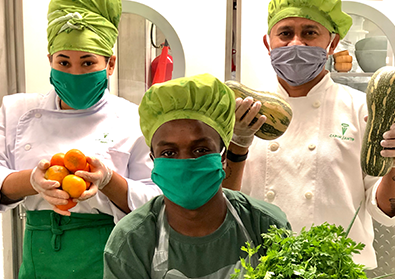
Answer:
x=62 y=169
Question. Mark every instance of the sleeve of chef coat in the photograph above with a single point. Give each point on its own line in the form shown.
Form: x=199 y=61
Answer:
x=141 y=188
x=371 y=202
x=5 y=168
x=4 y=172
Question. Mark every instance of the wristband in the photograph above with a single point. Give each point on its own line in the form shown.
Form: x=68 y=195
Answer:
x=236 y=158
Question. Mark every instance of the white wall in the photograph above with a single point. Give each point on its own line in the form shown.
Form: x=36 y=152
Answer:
x=35 y=40
x=256 y=70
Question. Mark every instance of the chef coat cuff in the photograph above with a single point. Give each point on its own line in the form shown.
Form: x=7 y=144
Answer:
x=375 y=211
x=4 y=172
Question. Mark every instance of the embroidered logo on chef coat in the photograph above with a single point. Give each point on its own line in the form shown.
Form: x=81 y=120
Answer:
x=106 y=138
x=344 y=128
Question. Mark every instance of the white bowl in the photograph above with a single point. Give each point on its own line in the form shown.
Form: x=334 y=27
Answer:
x=371 y=60
x=372 y=43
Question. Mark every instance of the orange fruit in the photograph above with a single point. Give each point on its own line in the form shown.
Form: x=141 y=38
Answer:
x=57 y=159
x=87 y=184
x=57 y=173
x=74 y=160
x=73 y=185
x=70 y=204
x=88 y=169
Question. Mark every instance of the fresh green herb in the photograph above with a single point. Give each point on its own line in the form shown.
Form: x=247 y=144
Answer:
x=323 y=252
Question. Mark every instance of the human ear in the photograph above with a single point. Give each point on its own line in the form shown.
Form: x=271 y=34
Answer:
x=111 y=65
x=49 y=59
x=266 y=43
x=334 y=44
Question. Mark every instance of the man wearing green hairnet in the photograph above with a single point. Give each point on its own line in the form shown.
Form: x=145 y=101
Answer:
x=196 y=229
x=64 y=237
x=313 y=171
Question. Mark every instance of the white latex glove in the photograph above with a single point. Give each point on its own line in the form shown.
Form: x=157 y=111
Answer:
x=388 y=142
x=99 y=176
x=48 y=189
x=246 y=110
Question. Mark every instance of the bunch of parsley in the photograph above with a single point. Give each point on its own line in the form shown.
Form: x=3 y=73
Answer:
x=322 y=252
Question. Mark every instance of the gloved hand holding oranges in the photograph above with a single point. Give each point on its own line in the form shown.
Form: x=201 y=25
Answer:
x=72 y=172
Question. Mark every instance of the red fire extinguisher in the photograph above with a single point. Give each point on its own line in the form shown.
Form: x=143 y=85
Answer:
x=162 y=66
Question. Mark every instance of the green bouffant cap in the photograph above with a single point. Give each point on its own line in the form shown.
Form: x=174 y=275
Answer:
x=83 y=25
x=201 y=97
x=326 y=12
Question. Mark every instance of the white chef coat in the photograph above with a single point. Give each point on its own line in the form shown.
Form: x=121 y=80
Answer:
x=313 y=171
x=33 y=127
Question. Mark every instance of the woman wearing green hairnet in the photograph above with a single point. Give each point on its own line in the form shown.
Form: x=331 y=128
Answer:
x=195 y=229
x=79 y=113
x=313 y=171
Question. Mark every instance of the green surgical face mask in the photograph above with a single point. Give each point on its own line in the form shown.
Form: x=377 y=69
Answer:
x=190 y=183
x=79 y=91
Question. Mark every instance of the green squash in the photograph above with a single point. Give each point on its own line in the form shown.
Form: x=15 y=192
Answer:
x=380 y=99
x=277 y=111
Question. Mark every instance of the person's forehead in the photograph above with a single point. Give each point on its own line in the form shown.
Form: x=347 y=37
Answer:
x=75 y=54
x=298 y=22
x=189 y=127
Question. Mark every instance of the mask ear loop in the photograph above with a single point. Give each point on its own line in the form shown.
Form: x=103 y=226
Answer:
x=222 y=151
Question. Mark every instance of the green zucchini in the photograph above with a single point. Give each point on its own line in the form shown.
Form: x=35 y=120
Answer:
x=380 y=99
x=277 y=111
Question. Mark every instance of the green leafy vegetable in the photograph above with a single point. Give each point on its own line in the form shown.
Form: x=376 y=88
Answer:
x=322 y=252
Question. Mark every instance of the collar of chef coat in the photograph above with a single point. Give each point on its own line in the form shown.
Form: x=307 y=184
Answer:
x=320 y=87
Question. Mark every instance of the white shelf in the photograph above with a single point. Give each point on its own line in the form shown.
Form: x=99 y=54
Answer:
x=350 y=74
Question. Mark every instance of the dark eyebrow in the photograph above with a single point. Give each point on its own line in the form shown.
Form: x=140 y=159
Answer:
x=197 y=141
x=284 y=28
x=310 y=26
x=62 y=55
x=88 y=56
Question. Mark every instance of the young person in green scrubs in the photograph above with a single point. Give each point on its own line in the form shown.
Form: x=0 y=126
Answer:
x=196 y=228
x=78 y=113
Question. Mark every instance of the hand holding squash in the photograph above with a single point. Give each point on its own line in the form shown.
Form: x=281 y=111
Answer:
x=266 y=113
x=245 y=129
x=388 y=143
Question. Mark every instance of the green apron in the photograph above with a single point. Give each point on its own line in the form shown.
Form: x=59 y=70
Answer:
x=57 y=246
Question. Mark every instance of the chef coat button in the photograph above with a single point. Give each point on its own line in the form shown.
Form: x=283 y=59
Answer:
x=308 y=195
x=312 y=146
x=28 y=147
x=270 y=195
x=317 y=104
x=274 y=146
x=37 y=115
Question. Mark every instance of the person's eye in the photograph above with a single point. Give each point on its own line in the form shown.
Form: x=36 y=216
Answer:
x=285 y=34
x=64 y=63
x=167 y=153
x=311 y=33
x=201 y=151
x=87 y=63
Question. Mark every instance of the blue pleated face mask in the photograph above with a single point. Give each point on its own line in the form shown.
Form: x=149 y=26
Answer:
x=79 y=91
x=298 y=64
x=190 y=183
